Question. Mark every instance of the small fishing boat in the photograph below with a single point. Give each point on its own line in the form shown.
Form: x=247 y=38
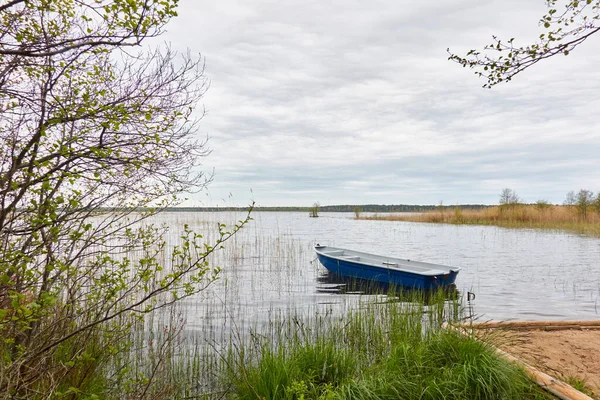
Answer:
x=393 y=271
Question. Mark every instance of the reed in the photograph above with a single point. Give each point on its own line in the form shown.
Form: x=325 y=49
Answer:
x=382 y=351
x=535 y=216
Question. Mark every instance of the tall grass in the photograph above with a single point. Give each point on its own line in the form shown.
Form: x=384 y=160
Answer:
x=382 y=351
x=509 y=216
x=153 y=360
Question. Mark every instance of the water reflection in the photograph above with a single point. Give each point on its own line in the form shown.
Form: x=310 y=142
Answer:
x=329 y=282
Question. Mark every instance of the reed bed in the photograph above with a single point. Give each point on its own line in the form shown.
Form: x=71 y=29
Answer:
x=551 y=217
x=381 y=350
x=395 y=350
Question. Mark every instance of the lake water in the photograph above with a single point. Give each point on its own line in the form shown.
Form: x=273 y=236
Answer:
x=270 y=268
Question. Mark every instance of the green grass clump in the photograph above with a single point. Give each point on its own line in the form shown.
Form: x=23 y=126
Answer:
x=309 y=370
x=385 y=351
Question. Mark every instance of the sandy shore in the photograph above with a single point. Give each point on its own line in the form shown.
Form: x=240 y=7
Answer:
x=563 y=353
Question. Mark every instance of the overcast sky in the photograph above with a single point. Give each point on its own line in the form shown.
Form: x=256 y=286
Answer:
x=348 y=102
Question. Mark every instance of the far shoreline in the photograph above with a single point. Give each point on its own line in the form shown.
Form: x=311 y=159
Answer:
x=548 y=217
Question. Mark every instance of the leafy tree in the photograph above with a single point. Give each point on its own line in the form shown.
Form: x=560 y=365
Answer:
x=585 y=199
x=570 y=199
x=566 y=27
x=314 y=210
x=509 y=197
x=97 y=135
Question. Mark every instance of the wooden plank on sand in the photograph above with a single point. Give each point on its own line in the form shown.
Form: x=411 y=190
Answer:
x=555 y=386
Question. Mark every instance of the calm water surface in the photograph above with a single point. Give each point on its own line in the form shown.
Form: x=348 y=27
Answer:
x=270 y=267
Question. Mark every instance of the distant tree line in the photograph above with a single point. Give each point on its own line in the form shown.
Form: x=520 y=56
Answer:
x=583 y=202
x=371 y=208
x=396 y=207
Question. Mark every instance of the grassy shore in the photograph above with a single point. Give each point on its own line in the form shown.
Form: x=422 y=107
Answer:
x=552 y=217
x=383 y=351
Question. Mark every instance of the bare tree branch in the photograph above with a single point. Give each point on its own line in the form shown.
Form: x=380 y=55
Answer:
x=11 y=4
x=565 y=31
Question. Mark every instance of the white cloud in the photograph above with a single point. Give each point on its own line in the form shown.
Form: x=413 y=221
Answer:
x=356 y=102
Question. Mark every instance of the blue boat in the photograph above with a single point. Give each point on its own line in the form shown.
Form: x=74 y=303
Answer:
x=393 y=271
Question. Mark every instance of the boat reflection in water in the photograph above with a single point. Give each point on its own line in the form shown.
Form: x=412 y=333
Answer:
x=329 y=282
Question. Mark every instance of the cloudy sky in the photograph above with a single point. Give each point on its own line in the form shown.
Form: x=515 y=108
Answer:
x=348 y=102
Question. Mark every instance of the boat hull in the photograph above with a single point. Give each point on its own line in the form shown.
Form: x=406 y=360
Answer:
x=388 y=276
